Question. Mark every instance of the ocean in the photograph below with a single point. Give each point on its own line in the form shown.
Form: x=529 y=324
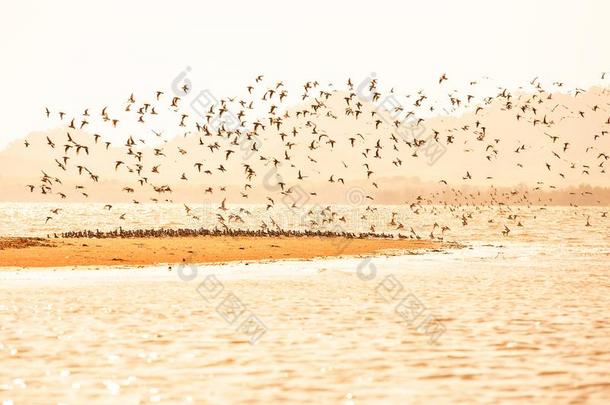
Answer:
x=505 y=318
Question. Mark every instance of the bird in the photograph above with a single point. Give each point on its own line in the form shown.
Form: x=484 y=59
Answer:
x=222 y=205
x=303 y=144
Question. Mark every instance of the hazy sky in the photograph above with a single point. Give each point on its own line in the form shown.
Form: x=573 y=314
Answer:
x=73 y=54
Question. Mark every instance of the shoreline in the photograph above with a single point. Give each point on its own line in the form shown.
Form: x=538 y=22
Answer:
x=29 y=252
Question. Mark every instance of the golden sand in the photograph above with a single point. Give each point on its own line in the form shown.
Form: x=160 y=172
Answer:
x=39 y=252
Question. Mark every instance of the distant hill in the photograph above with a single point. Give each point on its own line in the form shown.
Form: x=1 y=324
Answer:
x=507 y=142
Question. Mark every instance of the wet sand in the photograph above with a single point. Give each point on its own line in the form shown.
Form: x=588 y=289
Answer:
x=41 y=252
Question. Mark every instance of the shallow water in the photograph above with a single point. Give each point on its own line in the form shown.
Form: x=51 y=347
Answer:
x=562 y=225
x=505 y=319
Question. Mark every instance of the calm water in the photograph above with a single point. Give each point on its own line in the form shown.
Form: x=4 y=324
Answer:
x=554 y=225
x=522 y=318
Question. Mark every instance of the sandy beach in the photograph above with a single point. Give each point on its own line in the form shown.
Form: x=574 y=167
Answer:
x=43 y=252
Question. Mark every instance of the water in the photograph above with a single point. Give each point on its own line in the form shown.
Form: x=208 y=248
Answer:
x=525 y=317
x=553 y=225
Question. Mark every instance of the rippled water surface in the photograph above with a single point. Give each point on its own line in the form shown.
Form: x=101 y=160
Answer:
x=517 y=318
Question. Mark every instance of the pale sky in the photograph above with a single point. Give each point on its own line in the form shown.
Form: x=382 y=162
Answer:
x=74 y=54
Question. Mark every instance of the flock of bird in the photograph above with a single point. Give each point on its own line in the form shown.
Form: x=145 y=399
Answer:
x=257 y=137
